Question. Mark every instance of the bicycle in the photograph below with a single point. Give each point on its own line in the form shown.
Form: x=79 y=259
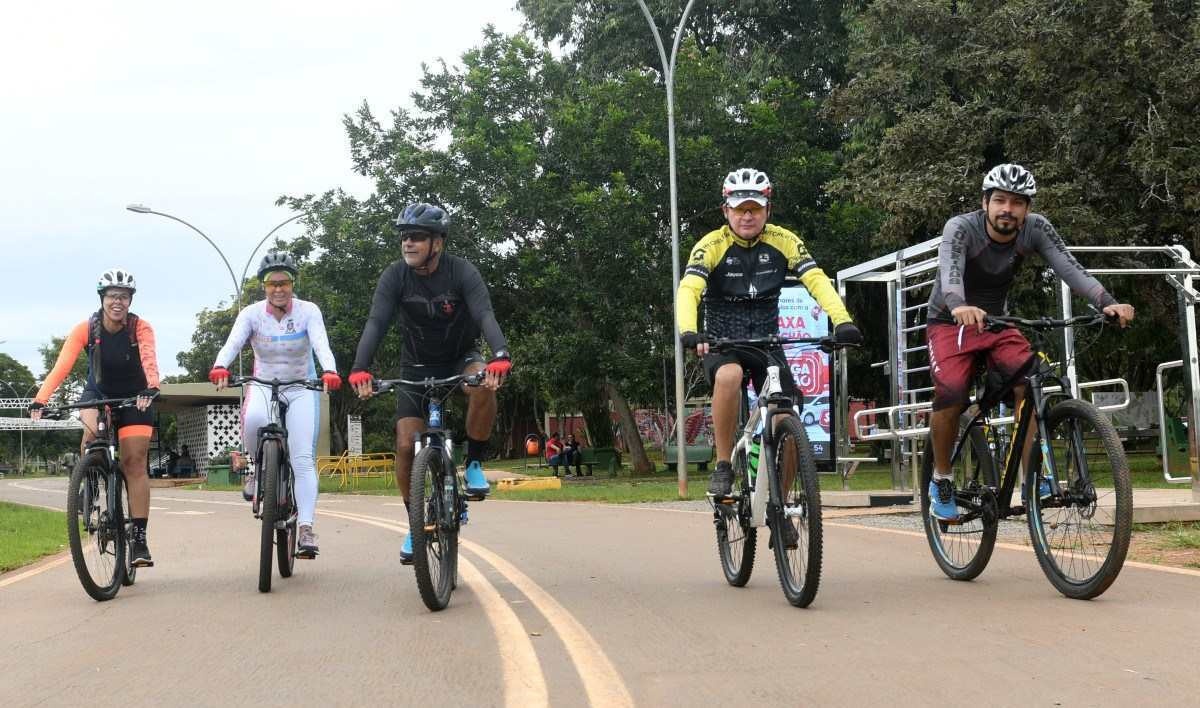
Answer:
x=275 y=485
x=780 y=492
x=99 y=529
x=434 y=518
x=1078 y=479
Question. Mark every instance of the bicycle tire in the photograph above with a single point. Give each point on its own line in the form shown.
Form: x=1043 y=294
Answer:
x=127 y=525
x=285 y=538
x=800 y=567
x=737 y=540
x=963 y=551
x=1081 y=504
x=271 y=457
x=90 y=531
x=434 y=532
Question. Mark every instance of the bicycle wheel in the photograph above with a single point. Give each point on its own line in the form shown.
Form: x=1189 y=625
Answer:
x=962 y=550
x=736 y=538
x=1081 y=531
x=130 y=576
x=271 y=457
x=433 y=526
x=285 y=538
x=96 y=544
x=798 y=521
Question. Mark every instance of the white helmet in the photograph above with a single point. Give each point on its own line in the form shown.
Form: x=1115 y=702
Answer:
x=116 y=278
x=746 y=183
x=1011 y=177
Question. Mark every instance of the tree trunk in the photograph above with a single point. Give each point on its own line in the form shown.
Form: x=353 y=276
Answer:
x=629 y=431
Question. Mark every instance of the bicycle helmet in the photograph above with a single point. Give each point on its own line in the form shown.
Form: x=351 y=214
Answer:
x=1011 y=177
x=424 y=217
x=278 y=260
x=116 y=278
x=746 y=183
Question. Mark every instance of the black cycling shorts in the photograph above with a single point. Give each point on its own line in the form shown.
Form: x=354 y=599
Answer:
x=127 y=421
x=410 y=399
x=755 y=363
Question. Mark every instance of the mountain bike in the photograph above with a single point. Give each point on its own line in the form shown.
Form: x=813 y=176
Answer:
x=275 y=489
x=774 y=484
x=1076 y=492
x=436 y=496
x=99 y=528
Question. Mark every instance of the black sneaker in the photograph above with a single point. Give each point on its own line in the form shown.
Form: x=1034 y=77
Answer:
x=791 y=537
x=139 y=554
x=721 y=483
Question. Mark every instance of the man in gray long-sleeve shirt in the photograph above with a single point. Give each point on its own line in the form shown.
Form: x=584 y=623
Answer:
x=442 y=306
x=978 y=259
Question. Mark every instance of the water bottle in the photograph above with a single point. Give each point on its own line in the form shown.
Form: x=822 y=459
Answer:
x=752 y=457
x=435 y=414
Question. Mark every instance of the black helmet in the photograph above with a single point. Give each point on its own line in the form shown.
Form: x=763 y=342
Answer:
x=424 y=217
x=277 y=260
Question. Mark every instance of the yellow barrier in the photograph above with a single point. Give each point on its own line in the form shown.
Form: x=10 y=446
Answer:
x=351 y=468
x=530 y=483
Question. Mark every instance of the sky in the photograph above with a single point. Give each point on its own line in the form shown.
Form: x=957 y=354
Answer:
x=206 y=111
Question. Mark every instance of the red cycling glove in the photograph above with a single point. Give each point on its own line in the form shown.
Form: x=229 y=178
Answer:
x=500 y=364
x=218 y=373
x=331 y=380
x=357 y=378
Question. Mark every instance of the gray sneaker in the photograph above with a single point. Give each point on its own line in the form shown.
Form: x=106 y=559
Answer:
x=249 y=488
x=306 y=542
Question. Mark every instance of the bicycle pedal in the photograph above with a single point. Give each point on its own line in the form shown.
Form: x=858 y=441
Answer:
x=430 y=527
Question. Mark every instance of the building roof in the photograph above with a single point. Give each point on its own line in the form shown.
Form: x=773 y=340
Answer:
x=175 y=397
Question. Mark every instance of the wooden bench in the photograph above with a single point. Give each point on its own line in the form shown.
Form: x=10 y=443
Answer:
x=699 y=455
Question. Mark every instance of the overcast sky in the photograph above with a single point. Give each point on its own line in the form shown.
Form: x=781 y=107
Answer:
x=209 y=112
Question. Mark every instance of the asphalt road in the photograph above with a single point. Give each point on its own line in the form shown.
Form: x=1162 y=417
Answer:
x=576 y=604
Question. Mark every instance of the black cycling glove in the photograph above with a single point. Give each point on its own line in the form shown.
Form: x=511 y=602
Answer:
x=847 y=333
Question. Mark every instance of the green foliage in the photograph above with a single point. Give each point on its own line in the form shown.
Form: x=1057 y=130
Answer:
x=27 y=534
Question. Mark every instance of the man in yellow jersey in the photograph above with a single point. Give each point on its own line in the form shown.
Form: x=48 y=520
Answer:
x=737 y=272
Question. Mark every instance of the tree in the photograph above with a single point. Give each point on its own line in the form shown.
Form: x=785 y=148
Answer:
x=1097 y=99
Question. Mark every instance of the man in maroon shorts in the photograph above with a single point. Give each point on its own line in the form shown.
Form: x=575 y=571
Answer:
x=978 y=258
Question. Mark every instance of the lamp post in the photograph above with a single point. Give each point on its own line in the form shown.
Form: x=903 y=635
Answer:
x=21 y=431
x=236 y=302
x=668 y=67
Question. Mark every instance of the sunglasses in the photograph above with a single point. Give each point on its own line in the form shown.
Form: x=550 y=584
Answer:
x=418 y=236
x=278 y=283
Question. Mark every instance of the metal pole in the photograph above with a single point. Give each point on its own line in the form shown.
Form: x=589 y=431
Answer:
x=21 y=431
x=668 y=66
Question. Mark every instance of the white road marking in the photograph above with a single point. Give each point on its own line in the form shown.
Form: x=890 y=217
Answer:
x=35 y=571
x=191 y=513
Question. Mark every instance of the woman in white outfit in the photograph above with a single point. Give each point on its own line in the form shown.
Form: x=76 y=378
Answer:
x=284 y=332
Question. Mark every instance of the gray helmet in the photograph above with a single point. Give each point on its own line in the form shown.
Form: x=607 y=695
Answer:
x=278 y=260
x=116 y=278
x=424 y=217
x=1011 y=177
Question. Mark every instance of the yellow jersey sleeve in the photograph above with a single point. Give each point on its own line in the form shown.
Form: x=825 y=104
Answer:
x=804 y=266
x=706 y=254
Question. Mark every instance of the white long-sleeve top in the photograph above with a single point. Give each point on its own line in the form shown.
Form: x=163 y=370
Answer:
x=283 y=348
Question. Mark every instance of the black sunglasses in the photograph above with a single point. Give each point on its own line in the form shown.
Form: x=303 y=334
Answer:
x=418 y=236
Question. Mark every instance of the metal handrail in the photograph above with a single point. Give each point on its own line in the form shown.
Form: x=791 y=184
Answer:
x=1162 y=423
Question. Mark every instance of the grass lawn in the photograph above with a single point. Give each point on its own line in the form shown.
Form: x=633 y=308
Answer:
x=27 y=533
x=1176 y=543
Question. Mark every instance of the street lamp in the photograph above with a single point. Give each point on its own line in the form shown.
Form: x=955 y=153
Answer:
x=668 y=66
x=236 y=302
x=21 y=431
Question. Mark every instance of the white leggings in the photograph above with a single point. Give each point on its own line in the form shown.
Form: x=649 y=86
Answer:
x=303 y=417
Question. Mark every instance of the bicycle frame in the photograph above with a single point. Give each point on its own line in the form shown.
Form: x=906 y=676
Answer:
x=768 y=405
x=1034 y=406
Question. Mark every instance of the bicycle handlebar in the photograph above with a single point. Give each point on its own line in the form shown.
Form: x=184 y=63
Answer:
x=313 y=384
x=56 y=412
x=827 y=344
x=997 y=322
x=385 y=385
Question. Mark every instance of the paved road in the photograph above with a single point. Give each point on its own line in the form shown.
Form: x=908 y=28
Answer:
x=574 y=604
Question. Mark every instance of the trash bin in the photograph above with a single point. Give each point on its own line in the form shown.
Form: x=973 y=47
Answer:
x=223 y=474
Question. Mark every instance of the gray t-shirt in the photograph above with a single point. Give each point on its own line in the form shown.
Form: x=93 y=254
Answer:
x=975 y=270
